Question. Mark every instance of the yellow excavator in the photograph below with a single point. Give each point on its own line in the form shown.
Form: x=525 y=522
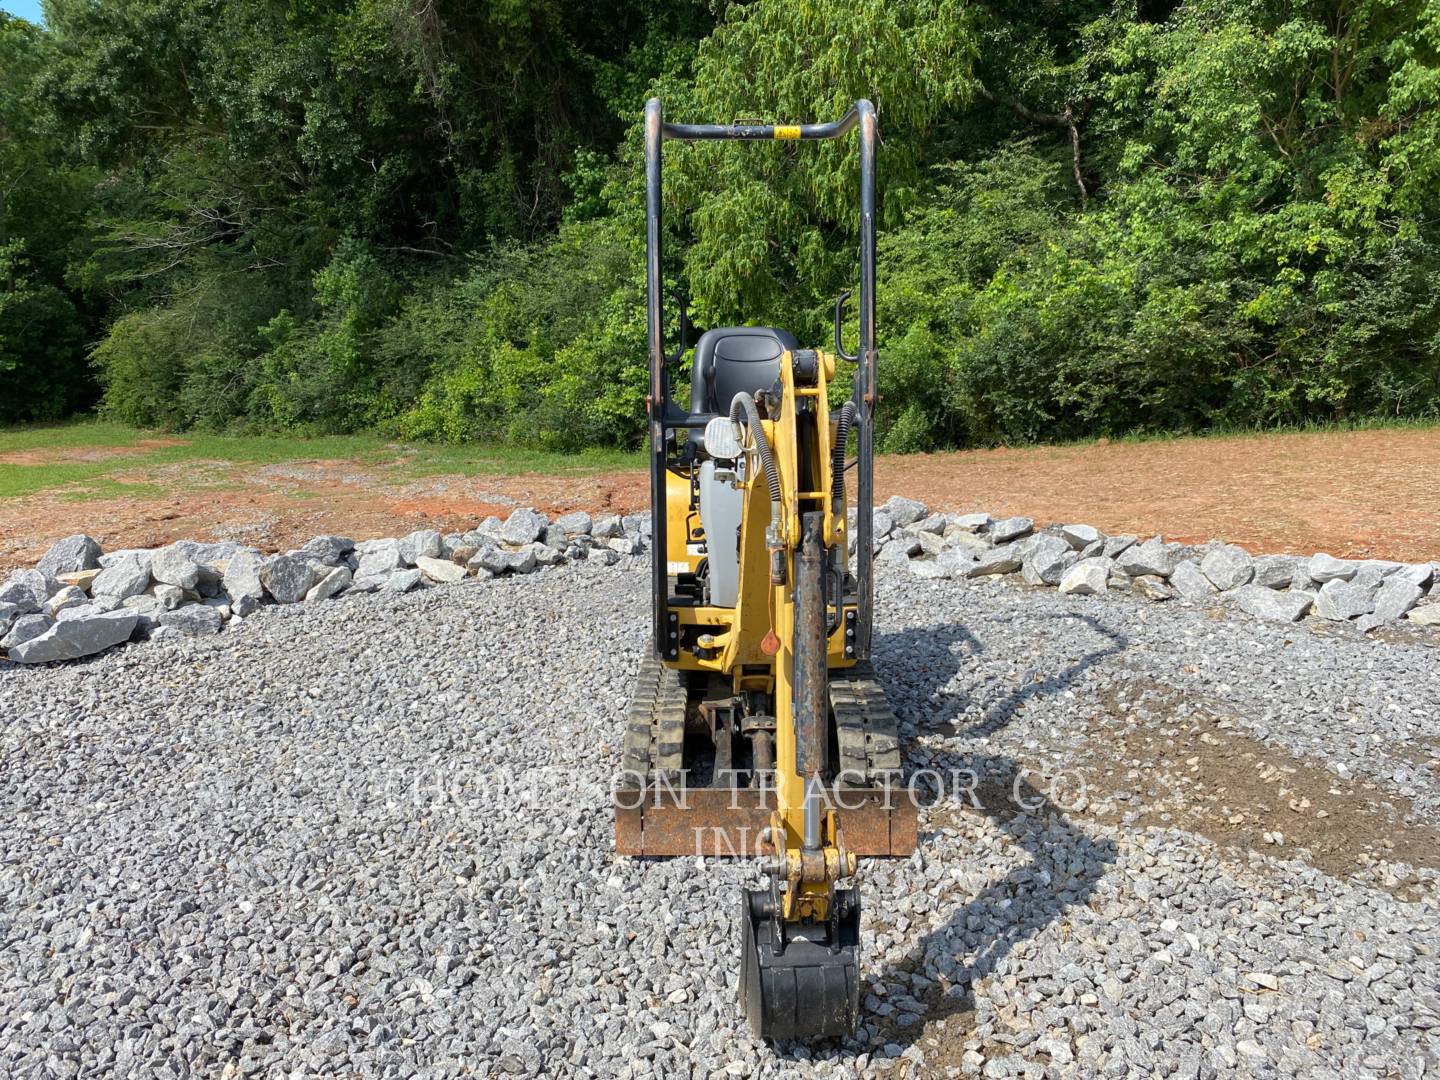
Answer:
x=756 y=727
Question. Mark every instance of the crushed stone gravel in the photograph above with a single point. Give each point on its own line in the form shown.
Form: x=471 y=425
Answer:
x=373 y=838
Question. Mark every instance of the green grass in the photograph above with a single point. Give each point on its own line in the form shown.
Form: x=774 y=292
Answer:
x=393 y=460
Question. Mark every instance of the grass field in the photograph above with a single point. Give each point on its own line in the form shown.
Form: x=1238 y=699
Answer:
x=1364 y=491
x=84 y=459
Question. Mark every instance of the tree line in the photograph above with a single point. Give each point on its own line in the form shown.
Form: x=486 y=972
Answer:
x=425 y=217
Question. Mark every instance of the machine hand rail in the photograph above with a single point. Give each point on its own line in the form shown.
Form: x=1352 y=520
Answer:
x=663 y=417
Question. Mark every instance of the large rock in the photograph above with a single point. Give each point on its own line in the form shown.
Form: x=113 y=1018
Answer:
x=287 y=577
x=967 y=522
x=200 y=553
x=1190 y=584
x=1323 y=568
x=1088 y=577
x=953 y=562
x=422 y=543
x=1340 y=600
x=26 y=628
x=1395 y=597
x=402 y=581
x=336 y=581
x=10 y=612
x=1151 y=587
x=934 y=523
x=81 y=579
x=169 y=597
x=1228 y=567
x=904 y=511
x=1371 y=572
x=441 y=570
x=378 y=560
x=124 y=577
x=577 y=523
x=330 y=550
x=1047 y=560
x=170 y=565
x=525 y=525
x=68 y=597
x=29 y=585
x=1153 y=558
x=1002 y=532
x=197 y=620
x=1005 y=560
x=899 y=550
x=930 y=543
x=607 y=527
x=1115 y=545
x=1273 y=606
x=496 y=560
x=881 y=524
x=545 y=555
x=74 y=638
x=85 y=611
x=1429 y=615
x=975 y=544
x=242 y=582
x=110 y=558
x=1080 y=537
x=74 y=553
x=1420 y=574
x=1275 y=571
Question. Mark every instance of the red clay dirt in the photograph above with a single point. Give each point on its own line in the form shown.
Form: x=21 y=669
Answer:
x=1364 y=493
x=84 y=453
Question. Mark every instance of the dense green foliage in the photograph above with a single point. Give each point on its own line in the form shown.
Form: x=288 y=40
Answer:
x=339 y=215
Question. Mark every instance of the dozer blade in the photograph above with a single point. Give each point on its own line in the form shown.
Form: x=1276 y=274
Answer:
x=664 y=821
x=800 y=981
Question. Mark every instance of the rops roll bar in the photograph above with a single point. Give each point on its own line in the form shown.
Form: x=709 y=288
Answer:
x=663 y=416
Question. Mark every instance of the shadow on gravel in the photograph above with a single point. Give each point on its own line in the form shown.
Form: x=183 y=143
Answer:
x=921 y=688
x=1064 y=866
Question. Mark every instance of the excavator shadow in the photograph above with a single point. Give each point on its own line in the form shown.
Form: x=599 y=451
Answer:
x=1061 y=862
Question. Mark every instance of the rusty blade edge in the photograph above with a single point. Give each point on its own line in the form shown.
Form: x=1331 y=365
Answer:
x=727 y=823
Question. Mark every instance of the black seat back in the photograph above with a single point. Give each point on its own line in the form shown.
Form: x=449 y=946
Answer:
x=732 y=359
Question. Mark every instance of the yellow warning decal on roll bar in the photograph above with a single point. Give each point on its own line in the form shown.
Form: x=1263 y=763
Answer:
x=787 y=131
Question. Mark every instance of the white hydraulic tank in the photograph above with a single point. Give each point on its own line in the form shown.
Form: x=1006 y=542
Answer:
x=721 y=506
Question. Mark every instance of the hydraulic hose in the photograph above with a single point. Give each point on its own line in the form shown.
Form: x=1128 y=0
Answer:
x=745 y=403
x=837 y=453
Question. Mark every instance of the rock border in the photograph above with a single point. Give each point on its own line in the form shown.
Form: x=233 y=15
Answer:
x=1081 y=560
x=80 y=600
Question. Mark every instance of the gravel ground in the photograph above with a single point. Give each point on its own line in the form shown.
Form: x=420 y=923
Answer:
x=290 y=848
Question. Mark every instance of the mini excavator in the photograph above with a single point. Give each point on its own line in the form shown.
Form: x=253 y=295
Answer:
x=756 y=727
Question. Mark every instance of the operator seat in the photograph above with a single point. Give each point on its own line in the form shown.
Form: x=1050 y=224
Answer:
x=732 y=359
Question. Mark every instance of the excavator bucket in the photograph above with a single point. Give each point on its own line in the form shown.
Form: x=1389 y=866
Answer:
x=800 y=982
